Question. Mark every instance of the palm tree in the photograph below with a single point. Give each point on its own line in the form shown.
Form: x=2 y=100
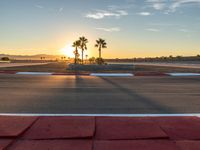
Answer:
x=76 y=44
x=83 y=45
x=100 y=43
x=86 y=56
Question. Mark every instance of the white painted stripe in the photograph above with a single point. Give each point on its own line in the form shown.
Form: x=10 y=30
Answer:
x=183 y=74
x=102 y=115
x=34 y=73
x=112 y=74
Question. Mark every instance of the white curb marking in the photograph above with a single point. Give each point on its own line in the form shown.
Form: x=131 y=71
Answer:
x=112 y=74
x=183 y=74
x=34 y=73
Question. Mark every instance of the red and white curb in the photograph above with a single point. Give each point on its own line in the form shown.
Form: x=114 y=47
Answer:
x=103 y=74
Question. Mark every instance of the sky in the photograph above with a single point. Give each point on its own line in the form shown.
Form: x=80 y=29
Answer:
x=131 y=28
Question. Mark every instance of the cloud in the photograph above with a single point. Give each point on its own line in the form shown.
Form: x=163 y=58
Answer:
x=152 y=30
x=156 y=4
x=114 y=29
x=144 y=13
x=184 y=30
x=155 y=1
x=39 y=6
x=159 y=6
x=121 y=7
x=100 y=14
x=179 y=3
x=167 y=24
x=168 y=6
x=163 y=24
x=60 y=9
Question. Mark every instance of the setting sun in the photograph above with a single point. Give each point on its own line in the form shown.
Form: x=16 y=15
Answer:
x=68 y=50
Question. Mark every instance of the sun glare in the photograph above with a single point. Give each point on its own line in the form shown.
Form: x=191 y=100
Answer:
x=68 y=50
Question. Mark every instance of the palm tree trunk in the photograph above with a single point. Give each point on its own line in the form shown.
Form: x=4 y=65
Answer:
x=82 y=55
x=99 y=52
x=76 y=56
x=75 y=59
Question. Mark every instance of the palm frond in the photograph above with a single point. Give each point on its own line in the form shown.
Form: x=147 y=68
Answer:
x=97 y=41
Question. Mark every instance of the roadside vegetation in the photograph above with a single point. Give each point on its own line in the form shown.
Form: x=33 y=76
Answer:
x=158 y=59
x=81 y=44
x=5 y=59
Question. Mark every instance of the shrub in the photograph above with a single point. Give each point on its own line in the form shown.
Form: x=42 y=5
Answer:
x=100 y=61
x=5 y=59
x=92 y=60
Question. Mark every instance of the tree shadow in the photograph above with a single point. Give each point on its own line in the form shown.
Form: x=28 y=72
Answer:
x=157 y=107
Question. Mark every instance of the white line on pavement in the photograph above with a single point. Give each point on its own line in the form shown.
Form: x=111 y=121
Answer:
x=103 y=115
x=34 y=73
x=112 y=74
x=183 y=74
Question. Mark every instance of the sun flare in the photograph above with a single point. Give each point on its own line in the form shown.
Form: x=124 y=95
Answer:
x=68 y=51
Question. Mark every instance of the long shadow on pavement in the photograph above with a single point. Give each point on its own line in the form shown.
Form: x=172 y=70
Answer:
x=136 y=97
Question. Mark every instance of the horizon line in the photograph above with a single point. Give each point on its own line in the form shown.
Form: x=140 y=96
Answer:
x=57 y=55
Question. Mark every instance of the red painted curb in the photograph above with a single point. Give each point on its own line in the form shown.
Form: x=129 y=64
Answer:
x=14 y=126
x=188 y=145
x=180 y=128
x=52 y=145
x=4 y=143
x=8 y=72
x=61 y=127
x=120 y=128
x=135 y=145
x=100 y=133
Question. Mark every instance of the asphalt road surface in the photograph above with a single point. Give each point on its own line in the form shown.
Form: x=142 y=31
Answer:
x=99 y=95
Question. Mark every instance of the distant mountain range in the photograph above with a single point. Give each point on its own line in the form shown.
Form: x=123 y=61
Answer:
x=32 y=57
